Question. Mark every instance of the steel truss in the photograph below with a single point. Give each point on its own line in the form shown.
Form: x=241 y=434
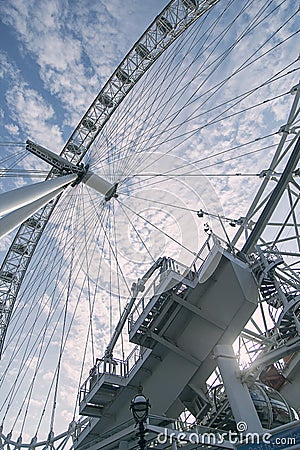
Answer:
x=263 y=237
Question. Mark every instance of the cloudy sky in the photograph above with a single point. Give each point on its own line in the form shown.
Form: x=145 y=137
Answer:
x=55 y=56
x=195 y=133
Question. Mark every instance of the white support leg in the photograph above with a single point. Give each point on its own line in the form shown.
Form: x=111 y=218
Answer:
x=17 y=198
x=237 y=392
x=15 y=218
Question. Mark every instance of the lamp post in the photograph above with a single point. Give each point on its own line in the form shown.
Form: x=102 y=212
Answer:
x=140 y=408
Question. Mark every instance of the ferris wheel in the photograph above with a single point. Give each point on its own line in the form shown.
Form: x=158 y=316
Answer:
x=194 y=138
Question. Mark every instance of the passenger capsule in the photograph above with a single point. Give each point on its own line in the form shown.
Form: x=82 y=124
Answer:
x=123 y=76
x=73 y=148
x=89 y=124
x=190 y=4
x=142 y=51
x=105 y=100
x=164 y=25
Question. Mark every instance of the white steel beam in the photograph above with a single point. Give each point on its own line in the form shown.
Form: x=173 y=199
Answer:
x=292 y=346
x=237 y=392
x=285 y=130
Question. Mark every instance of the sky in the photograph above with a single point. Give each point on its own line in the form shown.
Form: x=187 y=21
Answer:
x=55 y=56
